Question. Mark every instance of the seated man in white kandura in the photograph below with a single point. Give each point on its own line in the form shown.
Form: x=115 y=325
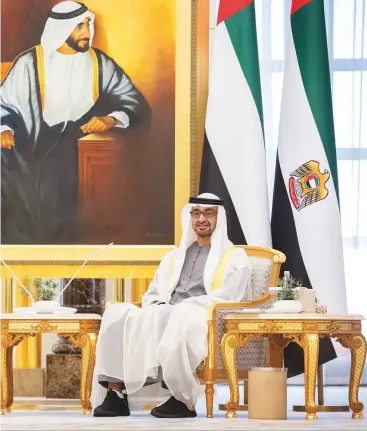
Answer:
x=166 y=339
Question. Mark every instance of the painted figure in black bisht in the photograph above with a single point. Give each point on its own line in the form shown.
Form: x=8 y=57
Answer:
x=54 y=94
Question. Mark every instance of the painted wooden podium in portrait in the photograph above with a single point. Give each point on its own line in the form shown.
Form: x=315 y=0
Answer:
x=103 y=188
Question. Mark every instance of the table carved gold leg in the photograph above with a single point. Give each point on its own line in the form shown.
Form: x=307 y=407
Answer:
x=310 y=345
x=230 y=343
x=357 y=345
x=8 y=342
x=87 y=342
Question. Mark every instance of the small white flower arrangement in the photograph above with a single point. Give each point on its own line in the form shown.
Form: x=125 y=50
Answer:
x=288 y=286
x=42 y=290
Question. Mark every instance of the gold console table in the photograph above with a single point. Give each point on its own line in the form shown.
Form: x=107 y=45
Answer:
x=81 y=329
x=305 y=330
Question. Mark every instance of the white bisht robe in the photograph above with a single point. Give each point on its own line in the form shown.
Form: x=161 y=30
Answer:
x=134 y=342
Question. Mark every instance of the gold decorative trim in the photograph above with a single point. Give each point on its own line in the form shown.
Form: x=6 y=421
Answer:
x=95 y=74
x=219 y=272
x=8 y=65
x=291 y=327
x=89 y=271
x=41 y=74
x=34 y=326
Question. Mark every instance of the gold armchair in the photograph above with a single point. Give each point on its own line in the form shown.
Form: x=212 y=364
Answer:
x=266 y=265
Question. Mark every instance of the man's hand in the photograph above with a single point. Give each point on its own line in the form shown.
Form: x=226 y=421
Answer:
x=98 y=124
x=7 y=139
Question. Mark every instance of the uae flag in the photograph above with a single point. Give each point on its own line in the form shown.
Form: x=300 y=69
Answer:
x=306 y=216
x=233 y=165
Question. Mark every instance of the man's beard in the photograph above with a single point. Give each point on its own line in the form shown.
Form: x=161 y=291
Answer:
x=205 y=234
x=74 y=44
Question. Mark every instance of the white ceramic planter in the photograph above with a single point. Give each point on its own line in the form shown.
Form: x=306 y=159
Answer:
x=46 y=307
x=288 y=306
x=47 y=304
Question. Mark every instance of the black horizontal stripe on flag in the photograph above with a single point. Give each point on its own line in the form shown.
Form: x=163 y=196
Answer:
x=211 y=181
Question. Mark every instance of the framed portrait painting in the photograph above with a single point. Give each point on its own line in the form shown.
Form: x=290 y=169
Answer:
x=98 y=128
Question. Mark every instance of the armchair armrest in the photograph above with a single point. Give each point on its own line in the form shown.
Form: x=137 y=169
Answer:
x=265 y=299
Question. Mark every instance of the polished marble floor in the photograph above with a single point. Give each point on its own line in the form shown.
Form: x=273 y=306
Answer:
x=42 y=414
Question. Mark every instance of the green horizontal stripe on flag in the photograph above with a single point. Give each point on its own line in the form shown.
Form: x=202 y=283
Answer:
x=309 y=35
x=241 y=28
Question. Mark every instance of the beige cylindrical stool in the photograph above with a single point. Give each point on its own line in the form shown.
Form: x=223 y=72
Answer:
x=267 y=393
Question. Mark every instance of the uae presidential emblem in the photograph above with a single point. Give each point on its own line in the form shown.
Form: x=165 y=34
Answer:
x=307 y=184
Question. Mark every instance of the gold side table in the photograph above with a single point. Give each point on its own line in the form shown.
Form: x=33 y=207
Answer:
x=306 y=330
x=81 y=329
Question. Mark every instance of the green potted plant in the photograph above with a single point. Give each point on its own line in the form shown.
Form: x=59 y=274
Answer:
x=288 y=294
x=43 y=292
